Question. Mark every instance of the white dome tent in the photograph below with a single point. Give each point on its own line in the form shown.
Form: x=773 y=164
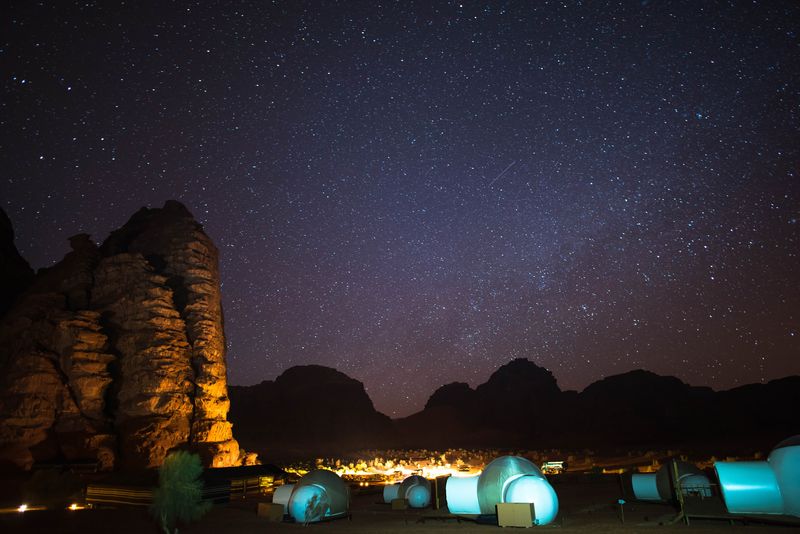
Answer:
x=771 y=487
x=415 y=489
x=656 y=487
x=319 y=495
x=508 y=479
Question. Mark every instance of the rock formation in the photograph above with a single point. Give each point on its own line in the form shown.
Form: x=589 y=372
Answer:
x=502 y=412
x=521 y=406
x=313 y=410
x=117 y=353
x=308 y=410
x=15 y=273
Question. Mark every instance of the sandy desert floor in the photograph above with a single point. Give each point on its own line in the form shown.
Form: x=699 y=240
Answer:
x=587 y=504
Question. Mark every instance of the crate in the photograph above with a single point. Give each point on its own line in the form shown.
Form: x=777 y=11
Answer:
x=515 y=514
x=399 y=504
x=270 y=511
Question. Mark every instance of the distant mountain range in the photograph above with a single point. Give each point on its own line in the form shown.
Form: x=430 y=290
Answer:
x=312 y=410
x=308 y=410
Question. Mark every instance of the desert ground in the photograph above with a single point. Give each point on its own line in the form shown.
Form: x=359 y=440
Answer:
x=587 y=504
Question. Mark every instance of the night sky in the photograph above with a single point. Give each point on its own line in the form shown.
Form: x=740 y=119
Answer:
x=416 y=193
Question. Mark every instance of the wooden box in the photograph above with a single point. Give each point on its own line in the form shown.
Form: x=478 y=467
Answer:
x=399 y=504
x=515 y=514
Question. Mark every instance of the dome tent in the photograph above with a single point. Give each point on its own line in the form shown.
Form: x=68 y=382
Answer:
x=771 y=487
x=319 y=494
x=508 y=479
x=415 y=489
x=657 y=487
x=391 y=492
x=282 y=495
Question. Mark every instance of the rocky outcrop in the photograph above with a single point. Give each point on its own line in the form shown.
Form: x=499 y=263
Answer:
x=174 y=244
x=117 y=353
x=505 y=411
x=314 y=410
x=53 y=384
x=308 y=410
x=15 y=273
x=454 y=394
x=521 y=406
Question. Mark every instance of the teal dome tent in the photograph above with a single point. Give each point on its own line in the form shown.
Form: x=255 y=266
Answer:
x=508 y=479
x=320 y=494
x=771 y=487
x=415 y=489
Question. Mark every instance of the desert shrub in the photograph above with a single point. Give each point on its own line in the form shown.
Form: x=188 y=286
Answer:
x=178 y=498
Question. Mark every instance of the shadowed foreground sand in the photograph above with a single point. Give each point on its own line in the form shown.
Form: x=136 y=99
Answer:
x=586 y=505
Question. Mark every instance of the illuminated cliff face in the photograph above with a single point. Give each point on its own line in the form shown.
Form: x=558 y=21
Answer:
x=117 y=354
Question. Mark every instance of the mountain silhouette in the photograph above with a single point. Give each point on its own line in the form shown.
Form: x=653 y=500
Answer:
x=320 y=410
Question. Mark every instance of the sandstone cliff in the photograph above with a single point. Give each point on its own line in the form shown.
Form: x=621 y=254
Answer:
x=117 y=353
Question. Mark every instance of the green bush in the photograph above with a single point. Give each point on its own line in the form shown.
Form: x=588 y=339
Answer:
x=178 y=498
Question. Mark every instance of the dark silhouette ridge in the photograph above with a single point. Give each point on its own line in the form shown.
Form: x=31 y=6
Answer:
x=15 y=273
x=320 y=410
x=308 y=410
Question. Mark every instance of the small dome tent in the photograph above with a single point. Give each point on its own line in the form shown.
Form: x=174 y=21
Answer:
x=656 y=486
x=771 y=487
x=508 y=479
x=320 y=494
x=282 y=495
x=391 y=492
x=415 y=489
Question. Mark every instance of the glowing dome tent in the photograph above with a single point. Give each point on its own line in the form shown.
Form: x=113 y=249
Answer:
x=771 y=487
x=415 y=489
x=320 y=494
x=656 y=487
x=282 y=495
x=508 y=479
x=391 y=492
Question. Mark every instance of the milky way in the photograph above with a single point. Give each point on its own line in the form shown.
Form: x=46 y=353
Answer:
x=415 y=194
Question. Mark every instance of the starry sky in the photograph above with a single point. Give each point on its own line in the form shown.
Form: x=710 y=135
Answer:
x=415 y=193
